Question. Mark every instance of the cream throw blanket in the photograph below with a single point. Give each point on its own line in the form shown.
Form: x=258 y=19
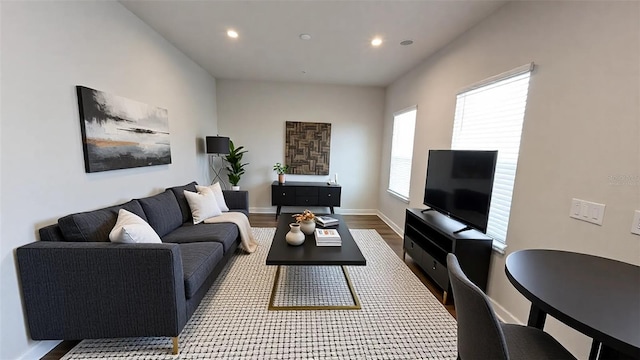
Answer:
x=247 y=242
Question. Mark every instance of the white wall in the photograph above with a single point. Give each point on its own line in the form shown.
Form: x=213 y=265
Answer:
x=47 y=49
x=580 y=129
x=254 y=113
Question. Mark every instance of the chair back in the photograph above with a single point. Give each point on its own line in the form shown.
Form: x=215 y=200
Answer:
x=479 y=332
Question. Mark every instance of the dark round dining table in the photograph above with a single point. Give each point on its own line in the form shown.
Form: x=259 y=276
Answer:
x=598 y=297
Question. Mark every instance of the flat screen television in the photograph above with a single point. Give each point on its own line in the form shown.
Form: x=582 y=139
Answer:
x=459 y=184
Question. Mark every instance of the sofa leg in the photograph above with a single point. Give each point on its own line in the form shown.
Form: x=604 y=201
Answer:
x=175 y=345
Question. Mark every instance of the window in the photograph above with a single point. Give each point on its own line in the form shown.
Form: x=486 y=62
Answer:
x=489 y=116
x=404 y=126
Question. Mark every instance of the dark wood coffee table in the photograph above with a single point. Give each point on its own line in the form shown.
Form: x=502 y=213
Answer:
x=308 y=254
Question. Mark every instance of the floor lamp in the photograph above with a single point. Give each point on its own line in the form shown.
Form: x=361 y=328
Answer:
x=217 y=146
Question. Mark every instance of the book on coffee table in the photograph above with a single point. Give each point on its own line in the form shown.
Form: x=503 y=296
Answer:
x=327 y=220
x=327 y=237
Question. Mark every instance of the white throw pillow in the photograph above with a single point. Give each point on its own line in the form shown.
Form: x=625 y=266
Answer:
x=217 y=192
x=131 y=228
x=203 y=204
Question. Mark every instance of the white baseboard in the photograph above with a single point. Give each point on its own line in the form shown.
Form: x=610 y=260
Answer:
x=39 y=349
x=503 y=314
x=262 y=210
x=357 y=211
x=397 y=229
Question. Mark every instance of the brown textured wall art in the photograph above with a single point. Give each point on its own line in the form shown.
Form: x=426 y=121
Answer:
x=308 y=146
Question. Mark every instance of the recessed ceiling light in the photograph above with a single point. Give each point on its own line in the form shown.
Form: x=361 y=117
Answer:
x=376 y=42
x=232 y=34
x=305 y=36
x=406 y=42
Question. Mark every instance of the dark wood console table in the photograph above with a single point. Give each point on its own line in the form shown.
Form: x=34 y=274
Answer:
x=302 y=193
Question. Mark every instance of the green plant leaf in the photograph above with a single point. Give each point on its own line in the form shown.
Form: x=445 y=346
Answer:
x=236 y=167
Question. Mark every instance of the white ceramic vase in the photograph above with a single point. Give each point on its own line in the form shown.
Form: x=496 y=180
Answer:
x=308 y=226
x=235 y=188
x=294 y=237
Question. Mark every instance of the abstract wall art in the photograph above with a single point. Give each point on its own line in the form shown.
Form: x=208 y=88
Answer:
x=119 y=133
x=308 y=147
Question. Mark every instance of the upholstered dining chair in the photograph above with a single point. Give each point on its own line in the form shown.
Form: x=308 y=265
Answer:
x=482 y=336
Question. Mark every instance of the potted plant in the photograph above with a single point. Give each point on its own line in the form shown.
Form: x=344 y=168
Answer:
x=236 y=167
x=281 y=170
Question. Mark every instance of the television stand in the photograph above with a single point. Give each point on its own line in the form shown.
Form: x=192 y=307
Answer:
x=430 y=236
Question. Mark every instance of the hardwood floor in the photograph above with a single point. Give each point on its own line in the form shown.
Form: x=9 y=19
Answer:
x=61 y=350
x=354 y=222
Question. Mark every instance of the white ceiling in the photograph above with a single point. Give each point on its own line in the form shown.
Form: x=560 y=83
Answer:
x=269 y=47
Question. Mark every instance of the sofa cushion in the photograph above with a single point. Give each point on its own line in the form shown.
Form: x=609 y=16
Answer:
x=130 y=228
x=95 y=225
x=216 y=189
x=198 y=261
x=224 y=233
x=178 y=191
x=236 y=200
x=203 y=204
x=163 y=212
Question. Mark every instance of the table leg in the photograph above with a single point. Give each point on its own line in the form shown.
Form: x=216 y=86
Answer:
x=356 y=302
x=273 y=289
x=278 y=211
x=537 y=317
x=331 y=208
x=595 y=349
x=352 y=290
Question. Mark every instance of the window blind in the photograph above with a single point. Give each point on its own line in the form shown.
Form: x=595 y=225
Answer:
x=404 y=125
x=490 y=116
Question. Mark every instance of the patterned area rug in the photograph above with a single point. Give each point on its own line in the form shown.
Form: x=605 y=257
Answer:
x=400 y=318
x=312 y=286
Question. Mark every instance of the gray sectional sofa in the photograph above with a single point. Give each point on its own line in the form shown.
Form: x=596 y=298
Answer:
x=76 y=284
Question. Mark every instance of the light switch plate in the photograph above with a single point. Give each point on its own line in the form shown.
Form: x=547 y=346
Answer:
x=635 y=227
x=587 y=211
x=576 y=205
x=596 y=213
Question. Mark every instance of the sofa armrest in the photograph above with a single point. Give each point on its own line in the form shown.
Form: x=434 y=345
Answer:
x=102 y=290
x=236 y=200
